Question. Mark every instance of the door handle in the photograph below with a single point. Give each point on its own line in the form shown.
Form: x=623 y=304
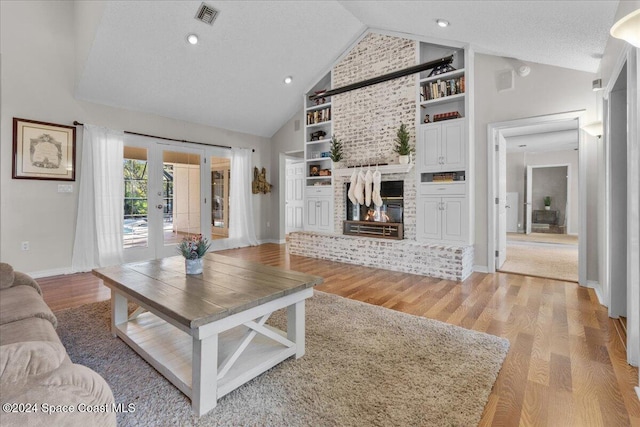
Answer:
x=160 y=206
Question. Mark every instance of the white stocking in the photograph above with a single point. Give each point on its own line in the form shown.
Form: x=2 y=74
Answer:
x=352 y=187
x=377 y=177
x=360 y=188
x=367 y=187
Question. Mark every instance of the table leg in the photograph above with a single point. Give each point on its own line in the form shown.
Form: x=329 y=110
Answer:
x=295 y=326
x=118 y=310
x=204 y=375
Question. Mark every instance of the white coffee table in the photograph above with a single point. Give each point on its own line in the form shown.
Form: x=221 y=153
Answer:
x=207 y=333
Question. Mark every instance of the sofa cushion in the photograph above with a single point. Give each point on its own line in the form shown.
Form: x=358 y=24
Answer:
x=69 y=385
x=30 y=329
x=22 y=360
x=22 y=302
x=6 y=275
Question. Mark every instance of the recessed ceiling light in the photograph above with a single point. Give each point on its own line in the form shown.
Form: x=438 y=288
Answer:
x=522 y=145
x=287 y=80
x=442 y=23
x=192 y=39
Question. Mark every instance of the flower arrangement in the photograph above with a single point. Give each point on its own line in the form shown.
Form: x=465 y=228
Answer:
x=194 y=247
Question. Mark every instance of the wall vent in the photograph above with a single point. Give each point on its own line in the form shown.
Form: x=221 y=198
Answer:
x=206 y=14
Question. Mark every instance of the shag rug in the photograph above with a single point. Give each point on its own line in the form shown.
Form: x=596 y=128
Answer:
x=364 y=365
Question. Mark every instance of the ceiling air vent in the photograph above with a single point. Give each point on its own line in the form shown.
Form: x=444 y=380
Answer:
x=206 y=14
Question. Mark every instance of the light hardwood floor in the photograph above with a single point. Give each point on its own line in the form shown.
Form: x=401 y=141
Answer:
x=565 y=366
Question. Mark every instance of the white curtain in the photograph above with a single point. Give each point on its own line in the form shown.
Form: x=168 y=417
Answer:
x=98 y=240
x=241 y=226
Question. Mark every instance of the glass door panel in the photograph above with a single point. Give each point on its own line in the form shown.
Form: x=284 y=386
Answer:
x=181 y=195
x=136 y=186
x=220 y=173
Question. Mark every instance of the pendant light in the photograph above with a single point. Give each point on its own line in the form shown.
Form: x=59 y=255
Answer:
x=628 y=28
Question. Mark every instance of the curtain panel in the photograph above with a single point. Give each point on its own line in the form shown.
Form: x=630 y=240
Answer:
x=98 y=239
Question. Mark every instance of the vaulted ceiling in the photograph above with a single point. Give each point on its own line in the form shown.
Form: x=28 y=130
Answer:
x=233 y=78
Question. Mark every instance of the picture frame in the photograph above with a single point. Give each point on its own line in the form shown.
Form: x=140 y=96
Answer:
x=314 y=170
x=42 y=150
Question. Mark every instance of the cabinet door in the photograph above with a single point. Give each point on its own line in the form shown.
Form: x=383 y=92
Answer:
x=453 y=145
x=311 y=214
x=429 y=218
x=428 y=150
x=324 y=213
x=454 y=223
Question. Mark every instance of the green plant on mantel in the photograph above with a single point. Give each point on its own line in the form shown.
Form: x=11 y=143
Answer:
x=547 y=200
x=335 y=149
x=402 y=147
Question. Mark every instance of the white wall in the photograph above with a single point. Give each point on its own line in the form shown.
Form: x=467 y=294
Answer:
x=38 y=76
x=286 y=140
x=516 y=170
x=546 y=90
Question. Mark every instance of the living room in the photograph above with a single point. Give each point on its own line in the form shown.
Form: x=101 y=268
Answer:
x=50 y=73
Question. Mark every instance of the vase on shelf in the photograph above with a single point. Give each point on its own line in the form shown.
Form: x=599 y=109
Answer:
x=193 y=266
x=547 y=208
x=403 y=160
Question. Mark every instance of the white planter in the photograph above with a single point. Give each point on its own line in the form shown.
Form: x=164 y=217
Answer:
x=336 y=165
x=547 y=208
x=403 y=160
x=193 y=266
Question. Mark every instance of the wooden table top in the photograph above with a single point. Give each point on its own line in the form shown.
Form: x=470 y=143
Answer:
x=225 y=287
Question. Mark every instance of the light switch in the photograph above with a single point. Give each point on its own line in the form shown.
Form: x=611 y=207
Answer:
x=65 y=188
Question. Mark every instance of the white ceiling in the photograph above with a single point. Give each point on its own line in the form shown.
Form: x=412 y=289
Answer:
x=232 y=79
x=542 y=137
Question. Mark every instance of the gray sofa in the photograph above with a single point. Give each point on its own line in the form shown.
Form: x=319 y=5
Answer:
x=36 y=373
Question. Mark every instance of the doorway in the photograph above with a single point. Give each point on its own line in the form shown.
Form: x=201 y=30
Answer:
x=545 y=241
x=172 y=191
x=294 y=200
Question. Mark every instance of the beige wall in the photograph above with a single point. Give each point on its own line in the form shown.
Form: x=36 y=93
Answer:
x=517 y=168
x=38 y=76
x=546 y=90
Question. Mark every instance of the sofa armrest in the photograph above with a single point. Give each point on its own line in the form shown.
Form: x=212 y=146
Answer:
x=10 y=278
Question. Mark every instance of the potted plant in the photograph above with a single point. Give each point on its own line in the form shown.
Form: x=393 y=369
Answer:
x=547 y=203
x=193 y=249
x=335 y=151
x=402 y=147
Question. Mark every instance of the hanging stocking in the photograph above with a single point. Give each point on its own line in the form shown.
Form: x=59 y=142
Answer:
x=377 y=178
x=360 y=188
x=352 y=187
x=368 y=181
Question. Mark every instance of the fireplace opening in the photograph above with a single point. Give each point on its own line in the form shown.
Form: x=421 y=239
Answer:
x=384 y=221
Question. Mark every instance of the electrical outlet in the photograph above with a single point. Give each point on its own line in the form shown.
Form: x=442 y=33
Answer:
x=268 y=224
x=25 y=246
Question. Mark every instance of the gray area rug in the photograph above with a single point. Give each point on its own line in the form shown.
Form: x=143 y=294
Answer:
x=364 y=365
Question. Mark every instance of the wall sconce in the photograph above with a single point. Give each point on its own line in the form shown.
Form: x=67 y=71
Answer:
x=628 y=28
x=593 y=129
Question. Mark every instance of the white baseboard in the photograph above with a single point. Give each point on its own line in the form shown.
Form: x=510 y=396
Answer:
x=49 y=273
x=481 y=268
x=597 y=287
x=276 y=241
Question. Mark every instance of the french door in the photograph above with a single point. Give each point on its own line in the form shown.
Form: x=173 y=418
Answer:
x=166 y=197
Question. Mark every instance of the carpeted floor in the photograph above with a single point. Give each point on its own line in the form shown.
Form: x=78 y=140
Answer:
x=364 y=365
x=544 y=260
x=564 y=239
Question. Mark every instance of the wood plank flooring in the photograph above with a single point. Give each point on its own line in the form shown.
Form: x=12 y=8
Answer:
x=566 y=365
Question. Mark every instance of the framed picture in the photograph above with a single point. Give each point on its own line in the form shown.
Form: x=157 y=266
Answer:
x=314 y=170
x=43 y=150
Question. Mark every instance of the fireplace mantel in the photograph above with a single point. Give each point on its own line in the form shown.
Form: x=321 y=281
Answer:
x=386 y=169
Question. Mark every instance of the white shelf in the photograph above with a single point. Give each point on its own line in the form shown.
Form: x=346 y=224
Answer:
x=320 y=141
x=443 y=76
x=321 y=159
x=326 y=122
x=319 y=177
x=443 y=100
x=386 y=169
x=318 y=107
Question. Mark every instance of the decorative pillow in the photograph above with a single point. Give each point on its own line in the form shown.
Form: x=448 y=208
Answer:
x=6 y=275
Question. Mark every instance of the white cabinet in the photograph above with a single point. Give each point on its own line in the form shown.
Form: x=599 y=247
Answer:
x=319 y=213
x=441 y=146
x=442 y=219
